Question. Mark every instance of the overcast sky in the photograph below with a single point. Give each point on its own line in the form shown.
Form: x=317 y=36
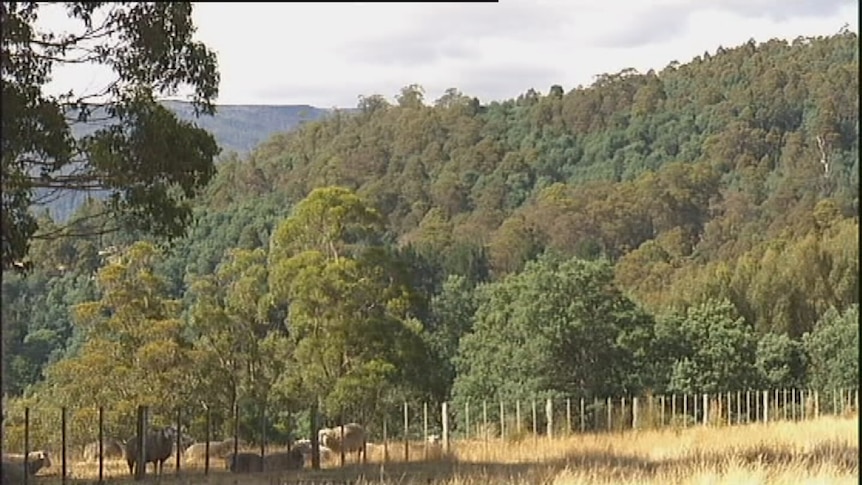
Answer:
x=326 y=55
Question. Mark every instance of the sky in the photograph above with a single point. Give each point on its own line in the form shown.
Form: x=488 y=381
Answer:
x=327 y=55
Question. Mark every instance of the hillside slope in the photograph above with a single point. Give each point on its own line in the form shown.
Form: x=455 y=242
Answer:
x=731 y=181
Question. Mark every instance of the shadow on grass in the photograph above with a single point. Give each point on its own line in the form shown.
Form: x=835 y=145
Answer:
x=402 y=473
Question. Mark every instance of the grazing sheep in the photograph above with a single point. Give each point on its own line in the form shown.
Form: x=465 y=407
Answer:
x=36 y=460
x=304 y=447
x=354 y=438
x=218 y=449
x=111 y=450
x=244 y=462
x=280 y=461
x=158 y=448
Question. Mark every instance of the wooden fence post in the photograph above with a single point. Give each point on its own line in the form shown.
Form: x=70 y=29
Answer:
x=651 y=411
x=467 y=419
x=425 y=429
x=685 y=410
x=141 y=467
x=518 y=416
x=341 y=453
x=535 y=422
x=694 y=403
x=610 y=417
x=568 y=416
x=661 y=411
x=582 y=416
x=738 y=407
x=445 y=421
x=729 y=414
x=63 y=465
x=775 y=406
x=549 y=417
x=385 y=438
x=595 y=414
x=673 y=409
x=803 y=398
x=705 y=409
x=816 y=404
x=485 y=422
x=635 y=413
x=765 y=407
x=793 y=404
x=236 y=431
x=101 y=444
x=207 y=442
x=748 y=406
x=26 y=442
x=622 y=414
x=406 y=433
x=502 y=420
x=179 y=441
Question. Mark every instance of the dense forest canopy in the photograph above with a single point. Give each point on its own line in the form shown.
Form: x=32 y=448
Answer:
x=689 y=230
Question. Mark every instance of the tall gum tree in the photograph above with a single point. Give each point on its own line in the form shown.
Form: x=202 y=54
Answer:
x=349 y=307
x=240 y=341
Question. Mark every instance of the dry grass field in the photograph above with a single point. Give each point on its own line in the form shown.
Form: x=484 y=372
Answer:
x=824 y=451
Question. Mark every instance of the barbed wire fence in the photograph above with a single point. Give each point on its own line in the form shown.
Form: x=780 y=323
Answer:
x=402 y=432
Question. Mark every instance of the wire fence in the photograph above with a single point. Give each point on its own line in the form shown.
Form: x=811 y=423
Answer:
x=89 y=442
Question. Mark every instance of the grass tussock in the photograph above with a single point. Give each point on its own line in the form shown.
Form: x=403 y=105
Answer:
x=786 y=453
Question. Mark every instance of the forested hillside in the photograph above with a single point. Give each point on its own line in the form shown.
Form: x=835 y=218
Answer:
x=689 y=230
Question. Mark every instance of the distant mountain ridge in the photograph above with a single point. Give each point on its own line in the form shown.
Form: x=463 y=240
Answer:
x=237 y=128
x=240 y=128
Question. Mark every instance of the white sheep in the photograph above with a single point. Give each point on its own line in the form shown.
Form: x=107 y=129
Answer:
x=354 y=438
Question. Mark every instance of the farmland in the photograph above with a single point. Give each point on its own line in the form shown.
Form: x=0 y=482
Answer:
x=817 y=451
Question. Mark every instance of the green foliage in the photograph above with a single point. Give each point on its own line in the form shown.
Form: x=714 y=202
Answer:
x=133 y=353
x=147 y=160
x=452 y=312
x=833 y=348
x=240 y=341
x=781 y=362
x=559 y=327
x=349 y=310
x=710 y=349
x=698 y=194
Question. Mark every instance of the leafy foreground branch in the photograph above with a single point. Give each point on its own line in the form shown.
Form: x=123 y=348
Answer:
x=148 y=162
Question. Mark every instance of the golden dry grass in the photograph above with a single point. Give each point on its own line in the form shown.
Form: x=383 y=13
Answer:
x=824 y=451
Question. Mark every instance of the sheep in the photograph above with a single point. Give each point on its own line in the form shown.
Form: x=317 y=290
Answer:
x=218 y=449
x=354 y=438
x=304 y=447
x=158 y=448
x=244 y=462
x=36 y=460
x=111 y=450
x=279 y=461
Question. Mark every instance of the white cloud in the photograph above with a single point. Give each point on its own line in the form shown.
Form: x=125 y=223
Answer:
x=328 y=54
